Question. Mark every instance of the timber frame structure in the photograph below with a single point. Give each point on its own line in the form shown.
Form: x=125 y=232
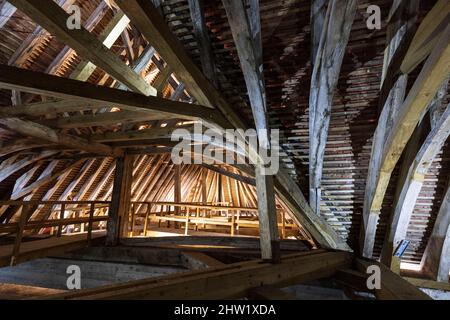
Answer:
x=86 y=151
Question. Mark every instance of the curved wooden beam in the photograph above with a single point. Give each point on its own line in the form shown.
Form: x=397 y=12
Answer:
x=430 y=79
x=436 y=259
x=413 y=184
x=328 y=61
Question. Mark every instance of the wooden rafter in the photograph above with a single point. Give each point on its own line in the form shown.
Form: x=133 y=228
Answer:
x=413 y=184
x=244 y=28
x=53 y=18
x=430 y=79
x=330 y=54
x=41 y=132
x=39 y=83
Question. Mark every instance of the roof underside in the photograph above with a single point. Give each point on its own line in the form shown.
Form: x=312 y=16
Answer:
x=287 y=72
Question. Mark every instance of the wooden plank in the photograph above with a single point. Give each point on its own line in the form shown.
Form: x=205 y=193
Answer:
x=393 y=287
x=53 y=18
x=330 y=54
x=230 y=281
x=39 y=83
x=35 y=130
x=430 y=79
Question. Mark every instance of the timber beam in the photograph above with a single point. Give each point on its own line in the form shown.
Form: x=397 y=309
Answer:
x=328 y=61
x=53 y=18
x=427 y=84
x=413 y=184
x=230 y=281
x=41 y=132
x=40 y=83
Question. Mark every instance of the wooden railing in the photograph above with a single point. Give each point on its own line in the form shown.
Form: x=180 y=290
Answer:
x=197 y=214
x=61 y=213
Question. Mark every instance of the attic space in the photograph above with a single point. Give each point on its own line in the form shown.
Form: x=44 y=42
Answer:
x=225 y=149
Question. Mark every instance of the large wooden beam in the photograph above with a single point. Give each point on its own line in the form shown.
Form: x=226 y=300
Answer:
x=53 y=18
x=121 y=200
x=41 y=132
x=330 y=54
x=229 y=281
x=318 y=15
x=39 y=83
x=427 y=36
x=436 y=258
x=397 y=34
x=46 y=108
x=243 y=28
x=103 y=119
x=413 y=184
x=430 y=79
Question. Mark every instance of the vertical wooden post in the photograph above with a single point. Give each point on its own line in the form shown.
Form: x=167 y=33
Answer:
x=245 y=27
x=147 y=213
x=197 y=215
x=61 y=217
x=177 y=188
x=120 y=202
x=133 y=218
x=23 y=220
x=90 y=224
x=204 y=192
x=237 y=221
x=283 y=225
x=186 y=227
x=233 y=222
